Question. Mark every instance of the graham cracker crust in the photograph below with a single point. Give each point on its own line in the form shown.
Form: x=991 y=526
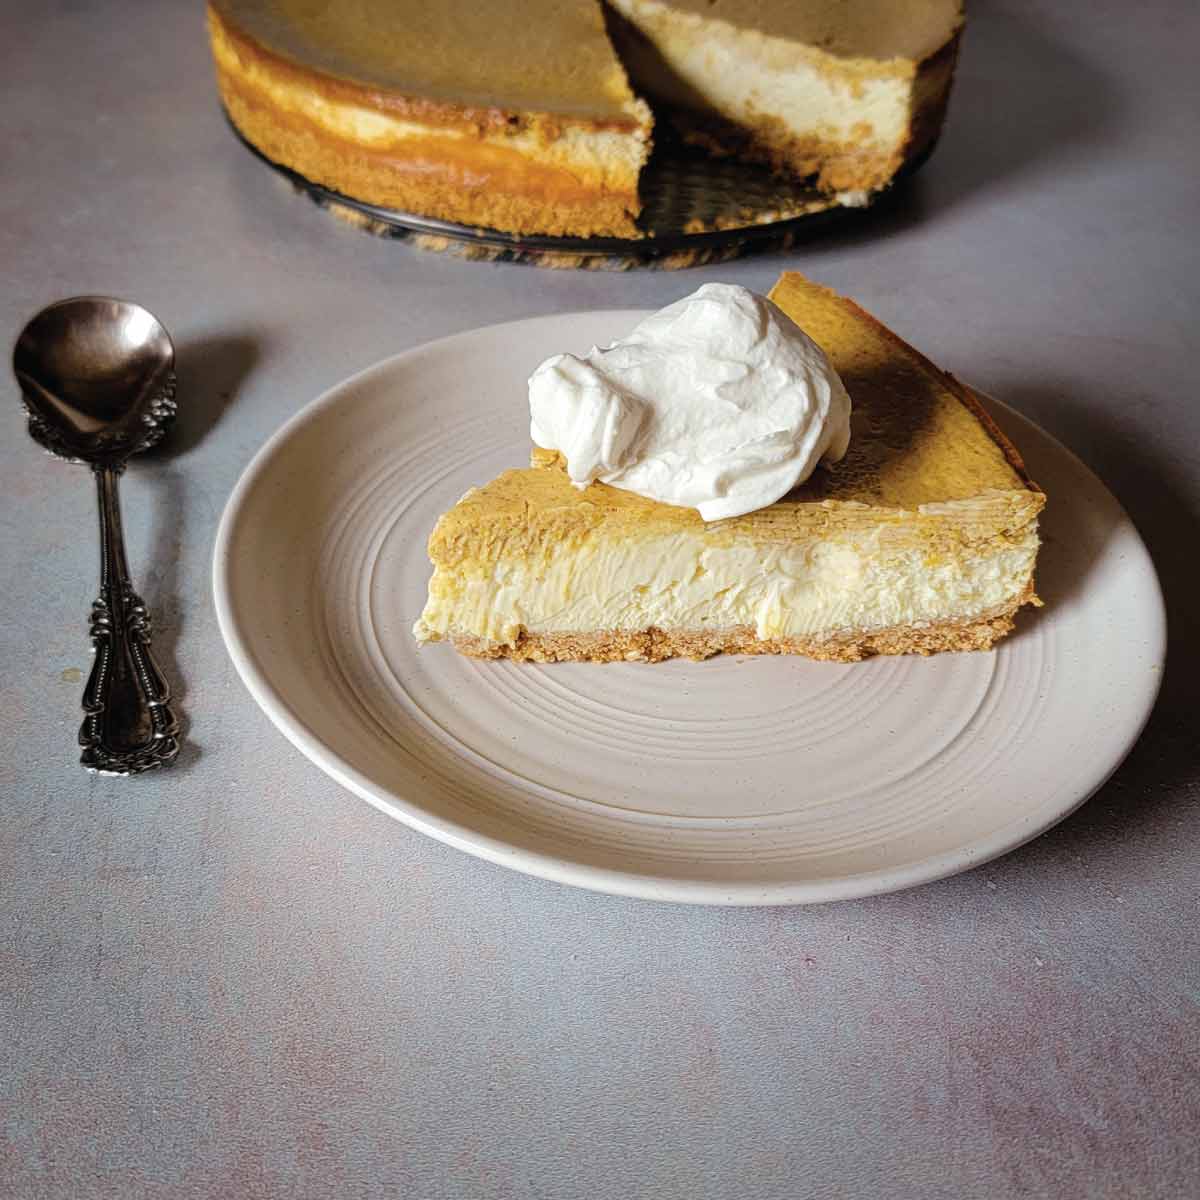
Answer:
x=831 y=166
x=656 y=645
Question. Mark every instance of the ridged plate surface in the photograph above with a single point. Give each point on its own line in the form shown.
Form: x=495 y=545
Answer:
x=738 y=780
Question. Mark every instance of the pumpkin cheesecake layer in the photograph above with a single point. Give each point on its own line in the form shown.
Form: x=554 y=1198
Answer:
x=437 y=110
x=924 y=537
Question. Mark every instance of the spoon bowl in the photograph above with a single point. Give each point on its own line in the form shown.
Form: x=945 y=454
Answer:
x=97 y=378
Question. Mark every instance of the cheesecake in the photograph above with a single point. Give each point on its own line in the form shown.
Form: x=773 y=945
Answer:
x=516 y=116
x=845 y=94
x=922 y=537
x=538 y=117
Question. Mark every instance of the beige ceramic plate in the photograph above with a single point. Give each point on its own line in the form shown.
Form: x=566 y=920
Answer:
x=735 y=781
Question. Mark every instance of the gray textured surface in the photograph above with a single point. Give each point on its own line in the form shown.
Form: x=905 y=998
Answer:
x=238 y=980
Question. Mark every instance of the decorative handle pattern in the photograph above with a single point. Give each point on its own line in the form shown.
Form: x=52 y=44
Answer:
x=128 y=725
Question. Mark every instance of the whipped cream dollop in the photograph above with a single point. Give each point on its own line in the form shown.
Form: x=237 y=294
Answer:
x=718 y=402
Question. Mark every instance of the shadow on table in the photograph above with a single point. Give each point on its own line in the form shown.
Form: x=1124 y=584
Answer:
x=1157 y=498
x=1021 y=101
x=211 y=371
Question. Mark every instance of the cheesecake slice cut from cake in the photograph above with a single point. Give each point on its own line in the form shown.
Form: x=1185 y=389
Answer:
x=844 y=94
x=922 y=538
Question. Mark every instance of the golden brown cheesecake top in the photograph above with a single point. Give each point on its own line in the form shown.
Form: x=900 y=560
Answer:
x=879 y=29
x=917 y=435
x=919 y=440
x=535 y=512
x=513 y=55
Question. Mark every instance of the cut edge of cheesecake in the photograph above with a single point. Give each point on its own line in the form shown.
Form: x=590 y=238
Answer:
x=777 y=94
x=556 y=173
x=858 y=561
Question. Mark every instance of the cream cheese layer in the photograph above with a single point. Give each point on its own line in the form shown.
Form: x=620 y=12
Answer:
x=753 y=78
x=867 y=581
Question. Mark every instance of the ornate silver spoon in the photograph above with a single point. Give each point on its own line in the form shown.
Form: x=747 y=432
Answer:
x=97 y=376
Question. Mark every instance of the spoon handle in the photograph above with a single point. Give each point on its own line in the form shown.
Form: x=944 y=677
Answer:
x=128 y=725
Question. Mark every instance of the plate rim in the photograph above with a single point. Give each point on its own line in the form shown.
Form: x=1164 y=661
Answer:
x=631 y=884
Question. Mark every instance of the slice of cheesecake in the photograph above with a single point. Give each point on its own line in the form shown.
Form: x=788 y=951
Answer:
x=923 y=538
x=843 y=93
x=516 y=116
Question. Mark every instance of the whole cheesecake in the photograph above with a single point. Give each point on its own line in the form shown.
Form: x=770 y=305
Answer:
x=534 y=116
